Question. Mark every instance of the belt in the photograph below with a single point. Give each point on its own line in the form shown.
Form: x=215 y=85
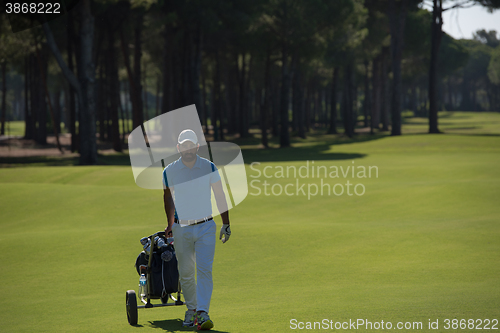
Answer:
x=193 y=222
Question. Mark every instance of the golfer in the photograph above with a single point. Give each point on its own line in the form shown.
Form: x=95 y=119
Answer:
x=188 y=182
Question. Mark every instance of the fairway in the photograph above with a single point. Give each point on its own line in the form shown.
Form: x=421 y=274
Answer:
x=422 y=242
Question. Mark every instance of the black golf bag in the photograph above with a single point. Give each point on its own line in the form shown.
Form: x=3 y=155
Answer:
x=159 y=265
x=164 y=272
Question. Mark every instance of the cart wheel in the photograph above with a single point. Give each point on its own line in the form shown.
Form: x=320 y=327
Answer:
x=131 y=300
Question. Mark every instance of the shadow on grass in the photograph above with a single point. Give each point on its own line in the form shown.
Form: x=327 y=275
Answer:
x=317 y=135
x=6 y=162
x=425 y=122
x=175 y=325
x=461 y=128
x=474 y=134
x=443 y=115
x=113 y=159
x=317 y=146
x=450 y=114
x=449 y=131
x=314 y=152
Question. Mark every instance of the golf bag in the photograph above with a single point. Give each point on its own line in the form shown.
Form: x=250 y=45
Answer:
x=164 y=272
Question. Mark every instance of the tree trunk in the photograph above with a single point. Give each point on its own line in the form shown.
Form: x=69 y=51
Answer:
x=28 y=128
x=45 y=100
x=232 y=95
x=285 y=91
x=41 y=115
x=315 y=105
x=138 y=117
x=242 y=96
x=216 y=96
x=248 y=100
x=452 y=95
x=4 y=97
x=220 y=111
x=85 y=85
x=354 y=102
x=319 y=106
x=196 y=66
x=126 y=111
x=72 y=99
x=385 y=104
x=122 y=116
x=264 y=110
x=158 y=89
x=326 y=103
x=167 y=73
x=307 y=108
x=333 y=107
x=145 y=91
x=101 y=102
x=496 y=97
x=302 y=109
x=397 y=20
x=367 y=101
x=474 y=96
x=377 y=92
x=185 y=67
x=107 y=104
x=114 y=91
x=276 y=109
x=226 y=115
x=204 y=104
x=298 y=100
x=132 y=84
x=57 y=110
x=436 y=33
x=34 y=95
x=228 y=95
x=343 y=107
x=413 y=102
x=295 y=93
x=177 y=71
x=386 y=110
x=465 y=102
x=348 y=101
x=88 y=147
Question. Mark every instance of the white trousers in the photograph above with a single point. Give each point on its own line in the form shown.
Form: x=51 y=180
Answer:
x=195 y=244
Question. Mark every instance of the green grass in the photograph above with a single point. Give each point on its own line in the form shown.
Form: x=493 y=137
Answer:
x=422 y=242
x=14 y=128
x=469 y=123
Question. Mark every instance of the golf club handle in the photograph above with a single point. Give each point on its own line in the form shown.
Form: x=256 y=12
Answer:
x=159 y=233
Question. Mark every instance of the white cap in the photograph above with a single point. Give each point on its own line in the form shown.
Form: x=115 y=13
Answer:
x=187 y=135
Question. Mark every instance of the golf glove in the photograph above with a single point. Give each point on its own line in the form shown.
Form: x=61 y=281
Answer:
x=225 y=230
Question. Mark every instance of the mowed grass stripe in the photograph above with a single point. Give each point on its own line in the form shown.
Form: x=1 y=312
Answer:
x=422 y=242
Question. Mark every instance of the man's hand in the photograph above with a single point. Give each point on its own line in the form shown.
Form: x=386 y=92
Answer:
x=168 y=231
x=169 y=210
x=225 y=230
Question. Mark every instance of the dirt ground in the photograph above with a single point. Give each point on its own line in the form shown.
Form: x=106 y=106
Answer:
x=19 y=147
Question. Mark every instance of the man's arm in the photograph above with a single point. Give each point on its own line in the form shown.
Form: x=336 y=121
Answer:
x=168 y=203
x=220 y=198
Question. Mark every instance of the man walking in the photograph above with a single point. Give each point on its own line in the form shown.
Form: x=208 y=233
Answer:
x=188 y=182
